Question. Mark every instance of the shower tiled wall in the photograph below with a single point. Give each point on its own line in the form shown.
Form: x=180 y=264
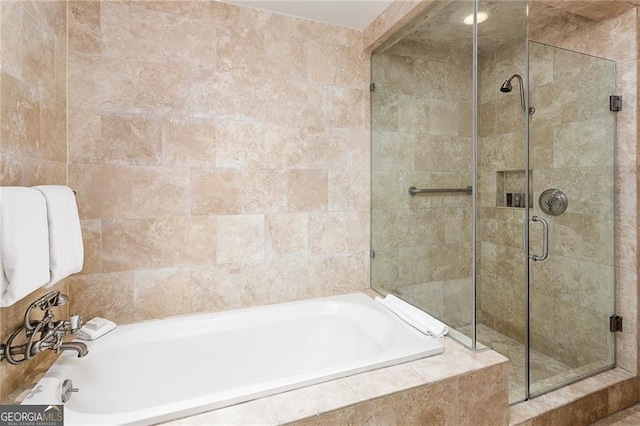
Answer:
x=571 y=292
x=616 y=39
x=422 y=137
x=220 y=154
x=33 y=133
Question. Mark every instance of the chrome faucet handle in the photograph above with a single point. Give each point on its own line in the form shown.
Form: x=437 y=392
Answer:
x=45 y=303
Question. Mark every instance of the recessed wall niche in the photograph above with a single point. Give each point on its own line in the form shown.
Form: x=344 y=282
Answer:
x=510 y=188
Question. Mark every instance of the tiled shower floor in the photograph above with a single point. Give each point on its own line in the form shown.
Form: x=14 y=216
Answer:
x=546 y=372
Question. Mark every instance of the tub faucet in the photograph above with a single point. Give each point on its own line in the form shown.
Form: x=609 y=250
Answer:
x=79 y=347
x=43 y=334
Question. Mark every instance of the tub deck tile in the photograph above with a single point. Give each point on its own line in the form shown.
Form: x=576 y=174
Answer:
x=317 y=399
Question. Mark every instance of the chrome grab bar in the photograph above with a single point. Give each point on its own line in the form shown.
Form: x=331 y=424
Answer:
x=413 y=190
x=545 y=239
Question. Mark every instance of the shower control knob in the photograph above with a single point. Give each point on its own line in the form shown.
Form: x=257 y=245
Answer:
x=553 y=202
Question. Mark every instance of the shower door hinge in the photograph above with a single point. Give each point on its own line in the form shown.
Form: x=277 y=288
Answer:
x=372 y=87
x=615 y=323
x=615 y=103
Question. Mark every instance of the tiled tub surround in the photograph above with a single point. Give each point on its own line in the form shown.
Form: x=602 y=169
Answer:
x=459 y=388
x=220 y=154
x=611 y=39
x=234 y=357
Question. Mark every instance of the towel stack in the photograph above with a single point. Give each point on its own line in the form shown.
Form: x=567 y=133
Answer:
x=414 y=316
x=40 y=241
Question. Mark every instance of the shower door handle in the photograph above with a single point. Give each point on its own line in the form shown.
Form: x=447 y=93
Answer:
x=545 y=239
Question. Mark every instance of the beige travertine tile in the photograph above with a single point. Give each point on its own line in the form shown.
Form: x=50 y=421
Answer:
x=488 y=404
x=286 y=147
x=102 y=191
x=130 y=244
x=85 y=130
x=307 y=190
x=129 y=32
x=263 y=191
x=160 y=89
x=216 y=288
x=240 y=50
x=626 y=294
x=189 y=241
x=160 y=292
x=622 y=395
x=286 y=234
x=385 y=107
x=53 y=132
x=84 y=26
x=240 y=238
x=100 y=83
x=187 y=40
x=378 y=383
x=160 y=192
x=10 y=170
x=340 y=274
x=338 y=232
x=290 y=406
x=327 y=65
x=216 y=191
x=230 y=96
x=41 y=172
x=20 y=125
x=347 y=108
x=38 y=56
x=281 y=44
x=348 y=190
x=188 y=142
x=239 y=145
x=307 y=104
x=103 y=295
x=392 y=151
x=92 y=242
x=11 y=32
x=174 y=7
x=381 y=411
x=259 y=411
x=131 y=139
x=435 y=404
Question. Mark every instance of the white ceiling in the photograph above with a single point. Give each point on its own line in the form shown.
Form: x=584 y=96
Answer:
x=356 y=14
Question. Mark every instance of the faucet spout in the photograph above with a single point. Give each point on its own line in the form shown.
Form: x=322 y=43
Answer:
x=79 y=347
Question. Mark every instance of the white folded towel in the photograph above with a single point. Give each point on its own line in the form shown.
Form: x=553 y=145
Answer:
x=414 y=316
x=24 y=243
x=66 y=252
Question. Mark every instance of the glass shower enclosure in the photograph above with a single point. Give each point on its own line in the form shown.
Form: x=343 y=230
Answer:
x=493 y=187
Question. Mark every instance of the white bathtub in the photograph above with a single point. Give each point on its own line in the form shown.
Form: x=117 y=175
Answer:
x=161 y=370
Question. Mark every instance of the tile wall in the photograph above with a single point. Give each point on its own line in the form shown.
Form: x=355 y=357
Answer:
x=571 y=138
x=616 y=39
x=33 y=132
x=421 y=136
x=220 y=154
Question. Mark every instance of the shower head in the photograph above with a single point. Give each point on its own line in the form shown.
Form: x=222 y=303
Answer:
x=506 y=86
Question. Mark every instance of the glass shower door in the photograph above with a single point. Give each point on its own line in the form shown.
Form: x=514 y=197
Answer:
x=421 y=120
x=502 y=124
x=571 y=219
